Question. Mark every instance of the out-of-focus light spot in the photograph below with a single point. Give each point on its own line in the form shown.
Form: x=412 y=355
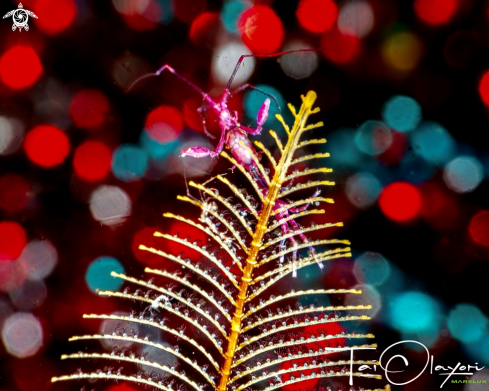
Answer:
x=362 y=190
x=415 y=169
x=54 y=16
x=369 y=296
x=39 y=258
x=108 y=326
x=356 y=18
x=129 y=163
x=20 y=67
x=15 y=192
x=467 y=323
x=12 y=274
x=92 y=160
x=298 y=65
x=156 y=150
x=484 y=88
x=22 y=335
x=343 y=150
x=5 y=310
x=338 y=47
x=204 y=29
x=261 y=29
x=317 y=16
x=29 y=296
x=231 y=12
x=188 y=10
x=224 y=61
x=166 y=11
x=413 y=312
x=178 y=165
x=433 y=143
x=11 y=135
x=12 y=240
x=371 y=268
x=402 y=113
x=463 y=174
x=479 y=379
x=193 y=234
x=393 y=155
x=146 y=237
x=110 y=205
x=462 y=48
x=402 y=51
x=140 y=15
x=384 y=174
x=89 y=109
x=46 y=145
x=98 y=276
x=164 y=124
x=435 y=12
x=400 y=201
x=254 y=99
x=479 y=227
x=126 y=69
x=373 y=137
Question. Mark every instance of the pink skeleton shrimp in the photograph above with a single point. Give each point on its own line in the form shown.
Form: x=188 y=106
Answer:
x=235 y=137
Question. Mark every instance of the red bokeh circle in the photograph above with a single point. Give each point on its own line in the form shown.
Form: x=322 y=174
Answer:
x=15 y=192
x=20 y=67
x=261 y=29
x=339 y=48
x=484 y=88
x=46 y=145
x=400 y=201
x=205 y=28
x=92 y=160
x=435 y=12
x=479 y=228
x=54 y=16
x=164 y=124
x=184 y=230
x=12 y=240
x=317 y=16
x=89 y=109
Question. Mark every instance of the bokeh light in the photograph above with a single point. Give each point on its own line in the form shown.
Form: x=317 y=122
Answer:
x=20 y=67
x=204 y=29
x=317 y=16
x=129 y=163
x=39 y=259
x=484 y=87
x=467 y=323
x=373 y=137
x=402 y=51
x=12 y=240
x=463 y=174
x=433 y=142
x=139 y=15
x=402 y=113
x=356 y=18
x=15 y=192
x=435 y=12
x=164 y=124
x=145 y=236
x=156 y=150
x=298 y=65
x=11 y=135
x=413 y=168
x=413 y=312
x=12 y=274
x=192 y=234
x=261 y=29
x=370 y=296
x=110 y=205
x=400 y=201
x=339 y=48
x=98 y=276
x=231 y=12
x=29 y=296
x=22 y=335
x=225 y=59
x=46 y=145
x=92 y=160
x=54 y=16
x=344 y=153
x=479 y=227
x=371 y=268
x=89 y=109
x=120 y=387
x=363 y=189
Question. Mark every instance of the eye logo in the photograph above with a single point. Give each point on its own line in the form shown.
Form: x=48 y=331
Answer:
x=20 y=16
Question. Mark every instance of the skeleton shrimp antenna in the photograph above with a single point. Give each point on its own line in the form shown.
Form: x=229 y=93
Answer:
x=262 y=56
